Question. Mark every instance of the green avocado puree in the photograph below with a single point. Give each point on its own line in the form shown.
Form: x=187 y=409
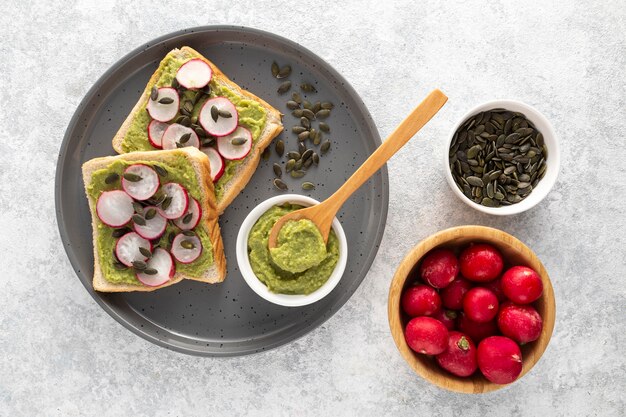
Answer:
x=180 y=171
x=251 y=115
x=301 y=262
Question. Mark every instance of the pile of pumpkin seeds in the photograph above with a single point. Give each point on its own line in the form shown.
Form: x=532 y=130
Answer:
x=497 y=157
x=310 y=139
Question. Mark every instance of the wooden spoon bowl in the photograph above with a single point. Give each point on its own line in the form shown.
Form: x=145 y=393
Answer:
x=456 y=238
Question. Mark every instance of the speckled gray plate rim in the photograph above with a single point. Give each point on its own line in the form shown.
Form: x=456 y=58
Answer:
x=226 y=319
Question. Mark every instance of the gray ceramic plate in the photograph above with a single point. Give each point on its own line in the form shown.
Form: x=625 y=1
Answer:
x=228 y=318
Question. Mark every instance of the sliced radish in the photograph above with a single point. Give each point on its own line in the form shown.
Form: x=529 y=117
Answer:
x=161 y=262
x=155 y=133
x=165 y=107
x=178 y=201
x=173 y=137
x=194 y=73
x=214 y=123
x=154 y=227
x=127 y=248
x=186 y=249
x=216 y=161
x=115 y=208
x=140 y=181
x=229 y=146
x=192 y=215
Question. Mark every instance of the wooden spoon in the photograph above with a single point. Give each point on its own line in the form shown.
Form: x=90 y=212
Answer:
x=322 y=214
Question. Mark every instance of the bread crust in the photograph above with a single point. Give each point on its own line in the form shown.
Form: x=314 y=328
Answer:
x=200 y=163
x=245 y=170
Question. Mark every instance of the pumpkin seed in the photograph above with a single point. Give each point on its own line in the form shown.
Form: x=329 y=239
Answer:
x=154 y=93
x=166 y=100
x=215 y=113
x=150 y=271
x=293 y=155
x=296 y=97
x=324 y=127
x=308 y=114
x=238 y=141
x=322 y=114
x=307 y=154
x=119 y=266
x=266 y=154
x=166 y=203
x=277 y=170
x=316 y=107
x=301 y=147
x=137 y=207
x=111 y=178
x=225 y=114
x=315 y=158
x=308 y=88
x=298 y=129
x=129 y=176
x=185 y=138
x=187 y=244
x=304 y=122
x=138 y=219
x=292 y=105
x=145 y=252
x=150 y=213
x=290 y=164
x=278 y=183
x=284 y=87
x=275 y=69
x=284 y=72
x=307 y=105
x=296 y=173
x=304 y=135
x=308 y=185
x=188 y=233
x=318 y=138
x=120 y=232
x=307 y=163
x=187 y=218
x=160 y=170
x=280 y=147
x=139 y=265
x=325 y=147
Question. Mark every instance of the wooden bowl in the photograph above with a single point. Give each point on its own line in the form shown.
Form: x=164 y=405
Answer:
x=456 y=238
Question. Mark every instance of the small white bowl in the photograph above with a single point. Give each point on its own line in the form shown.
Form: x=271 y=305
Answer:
x=554 y=157
x=257 y=286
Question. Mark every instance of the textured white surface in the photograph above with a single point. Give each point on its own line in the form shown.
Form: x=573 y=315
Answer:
x=62 y=355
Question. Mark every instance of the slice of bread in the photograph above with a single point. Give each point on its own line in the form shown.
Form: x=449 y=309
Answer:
x=243 y=172
x=200 y=164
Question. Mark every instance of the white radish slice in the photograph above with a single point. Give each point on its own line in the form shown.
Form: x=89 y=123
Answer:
x=173 y=137
x=183 y=254
x=161 y=262
x=216 y=162
x=194 y=73
x=192 y=215
x=145 y=187
x=155 y=133
x=215 y=124
x=179 y=201
x=127 y=248
x=115 y=208
x=154 y=227
x=164 y=112
x=232 y=151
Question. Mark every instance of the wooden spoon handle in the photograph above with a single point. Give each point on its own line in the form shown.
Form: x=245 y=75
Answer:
x=405 y=131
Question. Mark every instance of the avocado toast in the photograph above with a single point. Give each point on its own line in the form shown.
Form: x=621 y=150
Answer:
x=187 y=102
x=154 y=220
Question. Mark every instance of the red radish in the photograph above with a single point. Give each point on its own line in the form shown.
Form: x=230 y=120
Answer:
x=216 y=162
x=522 y=285
x=155 y=133
x=452 y=295
x=160 y=269
x=192 y=216
x=481 y=262
x=176 y=201
x=127 y=248
x=426 y=335
x=165 y=107
x=460 y=357
x=439 y=267
x=521 y=323
x=499 y=359
x=154 y=227
x=186 y=249
x=477 y=331
x=227 y=145
x=480 y=304
x=420 y=300
x=175 y=136
x=447 y=317
x=496 y=287
x=140 y=181
x=115 y=208
x=218 y=116
x=194 y=74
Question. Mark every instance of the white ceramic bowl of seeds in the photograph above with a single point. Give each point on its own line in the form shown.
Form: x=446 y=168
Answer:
x=495 y=159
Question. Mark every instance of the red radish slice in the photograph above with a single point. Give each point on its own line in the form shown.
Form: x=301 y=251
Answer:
x=127 y=248
x=234 y=151
x=195 y=214
x=183 y=254
x=155 y=133
x=215 y=124
x=178 y=201
x=162 y=262
x=216 y=162
x=140 y=181
x=194 y=73
x=164 y=112
x=154 y=227
x=173 y=137
x=115 y=208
